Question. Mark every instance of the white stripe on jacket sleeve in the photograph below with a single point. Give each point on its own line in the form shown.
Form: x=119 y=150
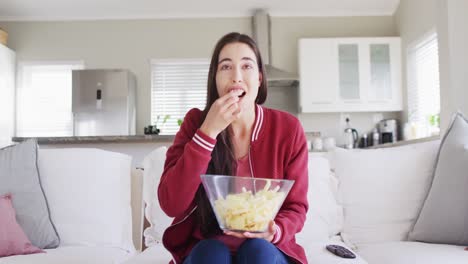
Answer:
x=203 y=143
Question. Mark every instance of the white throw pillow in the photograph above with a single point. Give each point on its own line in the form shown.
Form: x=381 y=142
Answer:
x=382 y=190
x=153 y=165
x=315 y=227
x=325 y=216
x=88 y=191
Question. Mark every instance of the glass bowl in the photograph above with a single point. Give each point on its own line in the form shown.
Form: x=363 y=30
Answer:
x=244 y=203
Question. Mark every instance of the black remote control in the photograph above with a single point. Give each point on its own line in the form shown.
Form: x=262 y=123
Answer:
x=340 y=251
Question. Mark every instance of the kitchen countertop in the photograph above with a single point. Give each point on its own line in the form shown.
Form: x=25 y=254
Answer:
x=166 y=138
x=405 y=142
x=99 y=139
x=386 y=145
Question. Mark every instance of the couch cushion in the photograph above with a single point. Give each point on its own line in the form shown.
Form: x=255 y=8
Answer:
x=13 y=240
x=19 y=176
x=382 y=190
x=155 y=254
x=89 y=196
x=73 y=255
x=406 y=252
x=315 y=252
x=444 y=217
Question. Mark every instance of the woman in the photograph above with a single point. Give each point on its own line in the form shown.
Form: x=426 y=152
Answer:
x=234 y=135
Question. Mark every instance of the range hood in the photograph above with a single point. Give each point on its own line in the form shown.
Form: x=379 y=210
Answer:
x=262 y=35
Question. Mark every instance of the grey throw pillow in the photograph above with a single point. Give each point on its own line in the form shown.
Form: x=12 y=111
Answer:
x=19 y=176
x=444 y=216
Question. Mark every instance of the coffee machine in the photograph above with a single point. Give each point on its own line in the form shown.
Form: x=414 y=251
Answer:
x=388 y=129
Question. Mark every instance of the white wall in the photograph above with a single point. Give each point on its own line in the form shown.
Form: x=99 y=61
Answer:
x=413 y=19
x=132 y=43
x=129 y=44
x=452 y=24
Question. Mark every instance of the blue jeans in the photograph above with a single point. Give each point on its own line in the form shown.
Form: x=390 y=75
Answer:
x=258 y=251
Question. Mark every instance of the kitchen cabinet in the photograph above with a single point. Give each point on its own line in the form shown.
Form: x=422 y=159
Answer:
x=350 y=74
x=7 y=94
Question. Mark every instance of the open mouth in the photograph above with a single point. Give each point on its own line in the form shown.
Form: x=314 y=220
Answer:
x=242 y=94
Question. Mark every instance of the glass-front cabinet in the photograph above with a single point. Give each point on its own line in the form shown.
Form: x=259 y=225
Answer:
x=350 y=74
x=348 y=71
x=380 y=72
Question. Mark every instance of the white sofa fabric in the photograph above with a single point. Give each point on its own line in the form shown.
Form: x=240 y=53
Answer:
x=367 y=200
x=89 y=195
x=409 y=252
x=383 y=190
x=88 y=191
x=72 y=255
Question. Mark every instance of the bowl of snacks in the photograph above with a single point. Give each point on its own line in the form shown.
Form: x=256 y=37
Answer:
x=245 y=204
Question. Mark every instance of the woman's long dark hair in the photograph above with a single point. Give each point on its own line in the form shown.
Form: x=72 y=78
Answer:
x=222 y=158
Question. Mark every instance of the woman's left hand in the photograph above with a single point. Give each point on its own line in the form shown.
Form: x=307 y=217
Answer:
x=268 y=235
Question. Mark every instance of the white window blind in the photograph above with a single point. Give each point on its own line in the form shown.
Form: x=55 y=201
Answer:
x=176 y=86
x=423 y=81
x=44 y=98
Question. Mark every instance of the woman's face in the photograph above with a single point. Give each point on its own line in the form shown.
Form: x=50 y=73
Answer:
x=238 y=72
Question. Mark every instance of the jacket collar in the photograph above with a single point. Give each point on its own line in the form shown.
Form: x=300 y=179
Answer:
x=258 y=122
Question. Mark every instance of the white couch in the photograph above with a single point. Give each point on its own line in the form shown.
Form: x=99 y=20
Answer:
x=366 y=200
x=91 y=195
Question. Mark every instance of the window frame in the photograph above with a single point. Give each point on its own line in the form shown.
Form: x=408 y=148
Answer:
x=75 y=64
x=153 y=72
x=411 y=81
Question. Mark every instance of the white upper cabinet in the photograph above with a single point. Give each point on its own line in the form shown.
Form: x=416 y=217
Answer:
x=350 y=75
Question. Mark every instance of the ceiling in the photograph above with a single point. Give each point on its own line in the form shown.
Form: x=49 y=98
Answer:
x=27 y=10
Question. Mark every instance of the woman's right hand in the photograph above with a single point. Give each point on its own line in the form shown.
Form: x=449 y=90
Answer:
x=222 y=113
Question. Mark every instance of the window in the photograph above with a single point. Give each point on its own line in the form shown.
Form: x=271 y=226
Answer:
x=7 y=95
x=423 y=85
x=176 y=87
x=43 y=98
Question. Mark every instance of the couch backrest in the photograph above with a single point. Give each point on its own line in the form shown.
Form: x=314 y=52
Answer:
x=367 y=195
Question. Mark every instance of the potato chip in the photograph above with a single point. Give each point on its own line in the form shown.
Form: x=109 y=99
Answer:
x=247 y=211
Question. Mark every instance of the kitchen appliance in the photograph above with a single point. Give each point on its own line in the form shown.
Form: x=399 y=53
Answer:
x=388 y=129
x=375 y=137
x=364 y=143
x=351 y=137
x=261 y=32
x=103 y=102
